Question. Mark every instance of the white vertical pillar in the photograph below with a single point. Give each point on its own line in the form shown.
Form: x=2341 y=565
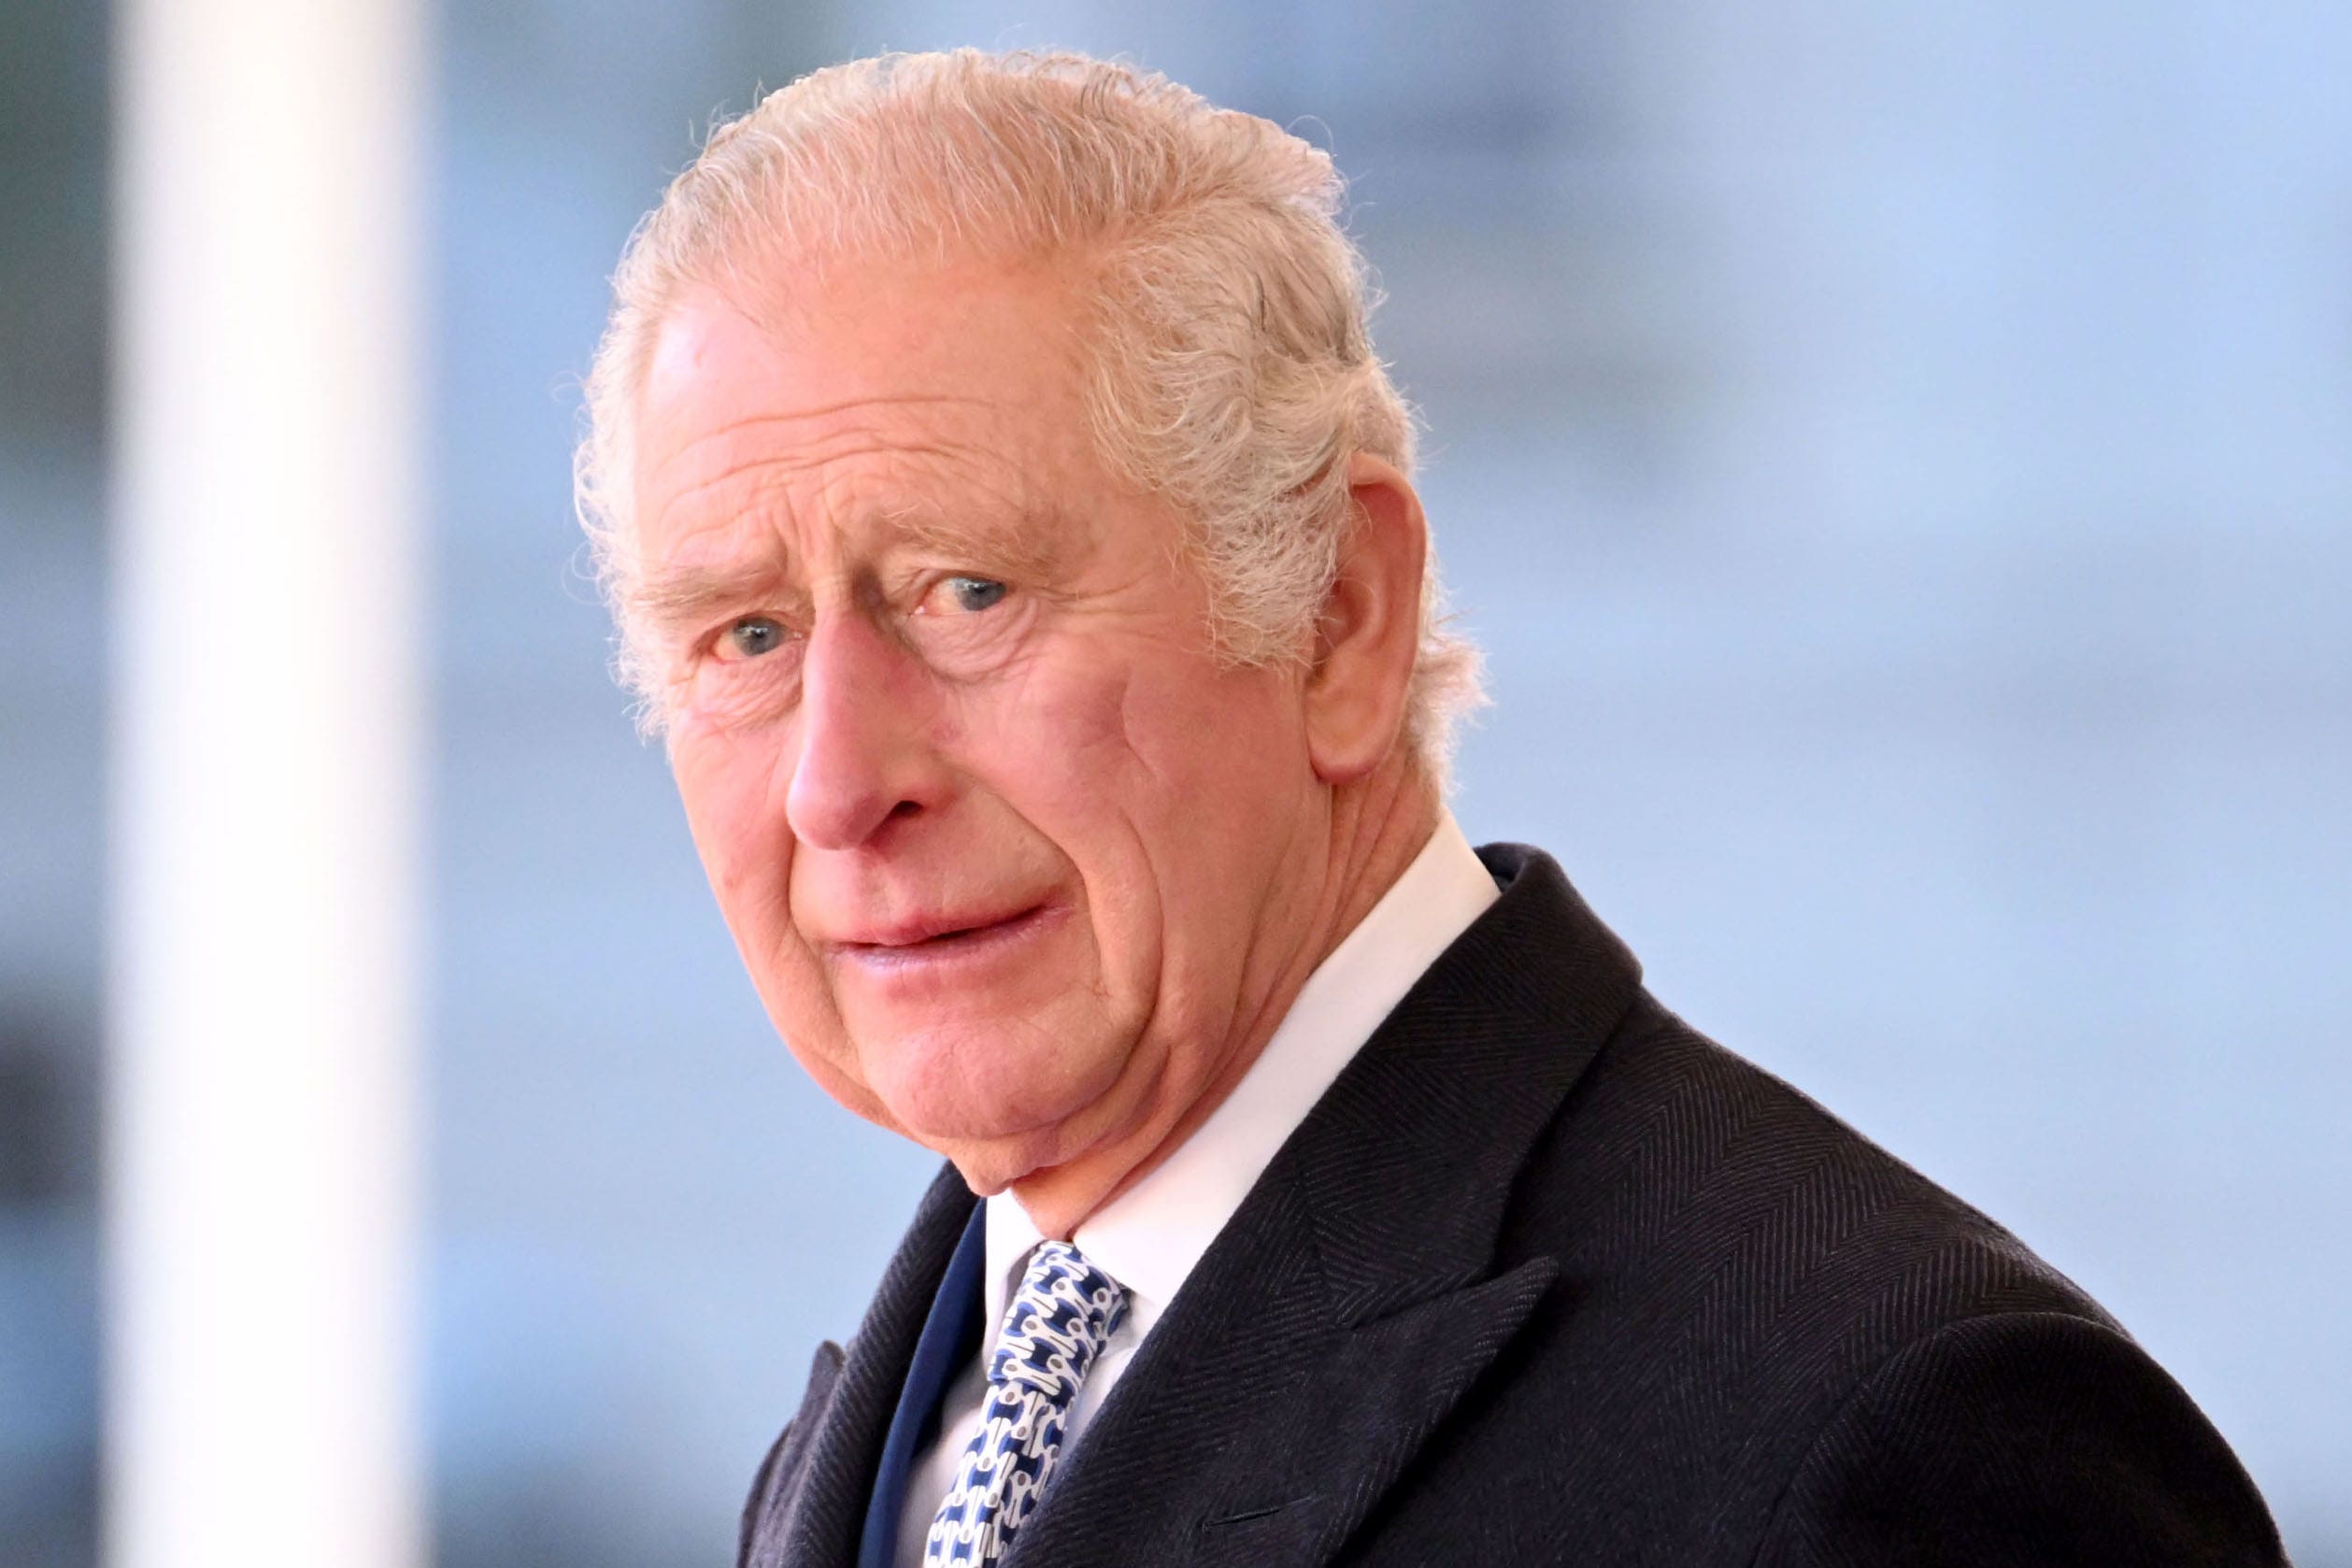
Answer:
x=262 y=1115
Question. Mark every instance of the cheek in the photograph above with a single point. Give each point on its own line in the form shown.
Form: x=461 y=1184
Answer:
x=1067 y=754
x=1152 y=777
x=1227 y=776
x=734 y=788
x=1216 y=746
x=1124 y=742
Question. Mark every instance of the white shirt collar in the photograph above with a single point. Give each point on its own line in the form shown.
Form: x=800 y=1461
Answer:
x=1151 y=1235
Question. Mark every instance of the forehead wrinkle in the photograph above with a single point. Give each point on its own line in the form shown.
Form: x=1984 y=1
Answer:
x=826 y=453
x=750 y=422
x=753 y=422
x=690 y=496
x=764 y=462
x=817 y=449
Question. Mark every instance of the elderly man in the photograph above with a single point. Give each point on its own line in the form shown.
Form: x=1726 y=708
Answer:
x=1011 y=530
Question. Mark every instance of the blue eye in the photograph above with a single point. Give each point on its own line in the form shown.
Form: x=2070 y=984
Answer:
x=754 y=635
x=973 y=594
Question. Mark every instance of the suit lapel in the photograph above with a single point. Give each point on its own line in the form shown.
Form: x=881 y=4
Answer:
x=1354 y=1296
x=811 y=1515
x=1367 y=1400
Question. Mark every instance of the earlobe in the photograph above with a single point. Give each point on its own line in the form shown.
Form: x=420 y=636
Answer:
x=1369 y=629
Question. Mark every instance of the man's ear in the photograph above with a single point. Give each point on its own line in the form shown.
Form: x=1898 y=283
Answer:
x=1370 y=630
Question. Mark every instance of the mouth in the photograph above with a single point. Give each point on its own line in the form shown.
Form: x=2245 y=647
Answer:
x=943 y=939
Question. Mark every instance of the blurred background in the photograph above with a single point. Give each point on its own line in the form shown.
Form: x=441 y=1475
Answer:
x=1899 y=461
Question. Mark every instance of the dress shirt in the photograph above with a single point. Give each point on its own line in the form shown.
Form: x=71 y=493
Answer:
x=1150 y=1237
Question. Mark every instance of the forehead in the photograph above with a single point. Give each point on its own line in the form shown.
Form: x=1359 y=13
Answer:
x=940 y=397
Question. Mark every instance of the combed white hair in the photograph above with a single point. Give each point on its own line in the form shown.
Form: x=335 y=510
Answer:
x=1231 y=370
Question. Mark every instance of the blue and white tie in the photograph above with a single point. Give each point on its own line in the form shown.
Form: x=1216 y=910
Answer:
x=1060 y=1318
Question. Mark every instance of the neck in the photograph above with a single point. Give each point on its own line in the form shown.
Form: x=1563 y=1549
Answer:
x=1378 y=826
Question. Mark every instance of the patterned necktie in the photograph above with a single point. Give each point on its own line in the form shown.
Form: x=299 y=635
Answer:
x=1060 y=1318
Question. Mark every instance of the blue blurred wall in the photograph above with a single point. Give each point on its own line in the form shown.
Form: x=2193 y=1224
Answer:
x=1899 y=461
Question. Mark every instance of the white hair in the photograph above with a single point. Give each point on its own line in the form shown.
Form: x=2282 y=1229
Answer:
x=1230 y=368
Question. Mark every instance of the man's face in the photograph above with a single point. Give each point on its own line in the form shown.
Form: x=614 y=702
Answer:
x=1012 y=860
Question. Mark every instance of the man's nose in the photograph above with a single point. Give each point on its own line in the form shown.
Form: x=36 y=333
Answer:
x=863 y=759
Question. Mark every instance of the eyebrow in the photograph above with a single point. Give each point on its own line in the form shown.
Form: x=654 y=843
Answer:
x=1032 y=548
x=683 y=597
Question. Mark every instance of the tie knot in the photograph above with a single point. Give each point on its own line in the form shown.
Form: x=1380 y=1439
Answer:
x=1062 y=1317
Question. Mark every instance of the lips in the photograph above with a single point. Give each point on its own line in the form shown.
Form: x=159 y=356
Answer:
x=937 y=931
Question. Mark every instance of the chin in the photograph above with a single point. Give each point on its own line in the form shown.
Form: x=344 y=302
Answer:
x=964 y=1090
x=948 y=1094
x=990 y=1159
x=988 y=1169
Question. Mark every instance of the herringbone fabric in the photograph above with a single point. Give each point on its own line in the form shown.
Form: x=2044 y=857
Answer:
x=1059 y=1320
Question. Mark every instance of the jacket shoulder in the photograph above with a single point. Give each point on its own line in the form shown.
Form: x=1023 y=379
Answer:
x=2016 y=1439
x=1677 y=1165
x=1761 y=1315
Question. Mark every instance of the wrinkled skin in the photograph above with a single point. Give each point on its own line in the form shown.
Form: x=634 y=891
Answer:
x=1020 y=869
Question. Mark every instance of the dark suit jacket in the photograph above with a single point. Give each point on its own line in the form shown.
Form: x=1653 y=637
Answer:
x=1548 y=1276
